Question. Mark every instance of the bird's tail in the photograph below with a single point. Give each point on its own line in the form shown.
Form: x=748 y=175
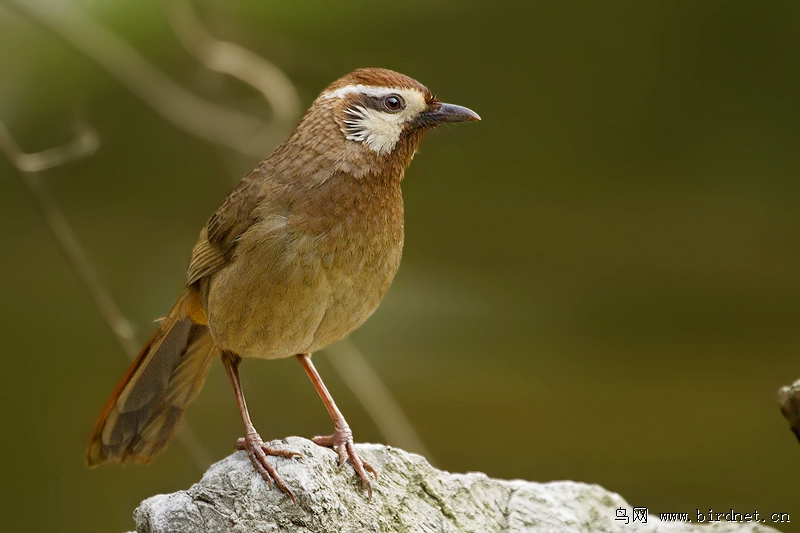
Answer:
x=143 y=413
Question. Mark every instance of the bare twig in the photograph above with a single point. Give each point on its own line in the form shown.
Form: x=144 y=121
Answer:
x=234 y=60
x=789 y=400
x=29 y=166
x=230 y=128
x=86 y=143
x=375 y=396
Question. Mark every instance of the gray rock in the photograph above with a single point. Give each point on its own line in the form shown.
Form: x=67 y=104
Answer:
x=410 y=496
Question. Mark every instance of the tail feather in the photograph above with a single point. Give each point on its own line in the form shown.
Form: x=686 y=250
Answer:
x=143 y=413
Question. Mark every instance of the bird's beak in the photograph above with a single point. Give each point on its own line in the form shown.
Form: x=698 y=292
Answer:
x=448 y=113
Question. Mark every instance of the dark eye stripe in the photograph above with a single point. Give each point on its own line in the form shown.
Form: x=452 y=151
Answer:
x=374 y=102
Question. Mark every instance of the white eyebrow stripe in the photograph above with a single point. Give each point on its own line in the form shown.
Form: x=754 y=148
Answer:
x=367 y=90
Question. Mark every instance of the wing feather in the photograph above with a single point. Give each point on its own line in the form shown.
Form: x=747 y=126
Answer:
x=218 y=239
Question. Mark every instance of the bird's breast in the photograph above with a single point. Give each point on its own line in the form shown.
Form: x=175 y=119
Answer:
x=307 y=278
x=358 y=257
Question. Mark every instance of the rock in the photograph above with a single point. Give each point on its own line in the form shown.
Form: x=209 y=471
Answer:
x=410 y=496
x=789 y=400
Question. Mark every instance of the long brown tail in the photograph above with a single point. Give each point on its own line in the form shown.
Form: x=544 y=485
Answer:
x=143 y=413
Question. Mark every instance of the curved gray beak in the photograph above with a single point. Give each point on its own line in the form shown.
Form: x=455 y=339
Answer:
x=448 y=113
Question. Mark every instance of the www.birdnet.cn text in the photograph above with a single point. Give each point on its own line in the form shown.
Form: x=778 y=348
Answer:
x=640 y=514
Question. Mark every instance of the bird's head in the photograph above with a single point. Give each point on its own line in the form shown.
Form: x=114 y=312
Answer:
x=379 y=108
x=373 y=119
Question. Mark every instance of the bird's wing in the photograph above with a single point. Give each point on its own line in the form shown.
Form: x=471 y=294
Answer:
x=218 y=238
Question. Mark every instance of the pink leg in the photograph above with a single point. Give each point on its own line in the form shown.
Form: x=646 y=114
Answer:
x=342 y=438
x=252 y=443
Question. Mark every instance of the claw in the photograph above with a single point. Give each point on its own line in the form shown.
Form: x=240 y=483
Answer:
x=368 y=468
x=258 y=452
x=342 y=442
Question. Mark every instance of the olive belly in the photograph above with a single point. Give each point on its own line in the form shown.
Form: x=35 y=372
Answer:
x=269 y=308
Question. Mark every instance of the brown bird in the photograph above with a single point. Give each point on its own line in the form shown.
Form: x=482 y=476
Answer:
x=298 y=256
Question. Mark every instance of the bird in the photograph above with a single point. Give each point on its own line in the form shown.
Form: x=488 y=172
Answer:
x=298 y=256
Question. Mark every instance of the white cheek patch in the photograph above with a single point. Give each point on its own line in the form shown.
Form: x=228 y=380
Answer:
x=379 y=130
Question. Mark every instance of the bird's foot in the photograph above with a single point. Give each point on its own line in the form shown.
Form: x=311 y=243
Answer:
x=342 y=442
x=258 y=452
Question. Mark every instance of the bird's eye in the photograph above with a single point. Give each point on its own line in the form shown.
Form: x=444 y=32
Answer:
x=393 y=103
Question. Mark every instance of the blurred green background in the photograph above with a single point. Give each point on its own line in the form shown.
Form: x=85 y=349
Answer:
x=600 y=280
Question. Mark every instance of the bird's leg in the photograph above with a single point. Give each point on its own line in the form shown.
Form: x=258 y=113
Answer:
x=342 y=438
x=252 y=442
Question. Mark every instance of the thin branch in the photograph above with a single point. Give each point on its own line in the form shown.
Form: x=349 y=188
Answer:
x=375 y=396
x=230 y=128
x=234 y=60
x=29 y=167
x=86 y=143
